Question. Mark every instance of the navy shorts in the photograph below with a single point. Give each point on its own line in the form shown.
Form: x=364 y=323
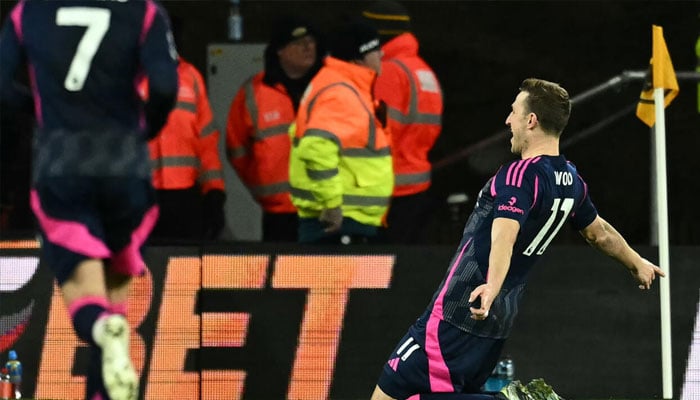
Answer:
x=437 y=357
x=84 y=218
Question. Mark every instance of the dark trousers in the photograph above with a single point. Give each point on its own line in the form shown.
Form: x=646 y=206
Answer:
x=351 y=232
x=280 y=227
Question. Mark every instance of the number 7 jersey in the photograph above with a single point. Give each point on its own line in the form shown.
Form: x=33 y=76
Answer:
x=85 y=59
x=541 y=193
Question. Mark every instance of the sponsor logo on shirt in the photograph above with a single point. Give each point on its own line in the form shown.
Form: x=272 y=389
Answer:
x=511 y=207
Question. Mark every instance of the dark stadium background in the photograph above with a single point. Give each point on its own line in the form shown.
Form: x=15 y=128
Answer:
x=481 y=50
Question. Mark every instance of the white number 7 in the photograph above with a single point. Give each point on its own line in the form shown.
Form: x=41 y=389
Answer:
x=96 y=20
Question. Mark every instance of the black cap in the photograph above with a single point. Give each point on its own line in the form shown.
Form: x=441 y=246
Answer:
x=289 y=28
x=353 y=39
x=389 y=17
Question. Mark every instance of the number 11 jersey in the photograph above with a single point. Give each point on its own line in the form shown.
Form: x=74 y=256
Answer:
x=541 y=193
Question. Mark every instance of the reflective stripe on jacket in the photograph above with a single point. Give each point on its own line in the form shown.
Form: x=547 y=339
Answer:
x=414 y=104
x=258 y=144
x=340 y=153
x=186 y=151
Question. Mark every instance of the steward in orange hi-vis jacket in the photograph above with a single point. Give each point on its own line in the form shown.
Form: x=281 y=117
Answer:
x=414 y=107
x=257 y=142
x=414 y=102
x=186 y=166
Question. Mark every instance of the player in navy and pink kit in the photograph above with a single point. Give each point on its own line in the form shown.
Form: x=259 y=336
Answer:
x=91 y=184
x=451 y=350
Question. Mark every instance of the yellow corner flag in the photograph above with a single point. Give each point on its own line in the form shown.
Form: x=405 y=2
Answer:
x=662 y=76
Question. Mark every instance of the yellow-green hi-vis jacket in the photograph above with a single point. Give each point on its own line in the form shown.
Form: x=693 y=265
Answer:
x=340 y=153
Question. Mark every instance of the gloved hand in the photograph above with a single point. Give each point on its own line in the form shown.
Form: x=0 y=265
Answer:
x=213 y=213
x=331 y=219
x=381 y=112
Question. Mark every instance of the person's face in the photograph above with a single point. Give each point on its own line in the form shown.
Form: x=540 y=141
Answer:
x=373 y=60
x=299 y=55
x=518 y=122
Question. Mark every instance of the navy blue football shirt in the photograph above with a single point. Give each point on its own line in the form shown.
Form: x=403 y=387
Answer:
x=542 y=194
x=85 y=59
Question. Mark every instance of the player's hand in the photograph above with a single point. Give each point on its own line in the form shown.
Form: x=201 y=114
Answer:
x=645 y=272
x=481 y=299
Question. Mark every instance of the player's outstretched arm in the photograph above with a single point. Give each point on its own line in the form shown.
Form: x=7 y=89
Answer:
x=504 y=232
x=603 y=236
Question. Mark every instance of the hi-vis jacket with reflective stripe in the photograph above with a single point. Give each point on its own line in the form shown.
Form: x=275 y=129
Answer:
x=414 y=103
x=340 y=152
x=257 y=142
x=186 y=149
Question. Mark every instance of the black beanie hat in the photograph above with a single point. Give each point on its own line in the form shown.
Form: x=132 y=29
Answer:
x=353 y=39
x=289 y=28
x=389 y=17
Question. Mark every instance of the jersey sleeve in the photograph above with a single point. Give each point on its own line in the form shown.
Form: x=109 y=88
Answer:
x=158 y=53
x=585 y=211
x=514 y=190
x=159 y=60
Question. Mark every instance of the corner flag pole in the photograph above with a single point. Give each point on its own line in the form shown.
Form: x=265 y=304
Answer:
x=662 y=217
x=659 y=91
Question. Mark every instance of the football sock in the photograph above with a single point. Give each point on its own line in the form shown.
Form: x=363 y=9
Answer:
x=84 y=312
x=94 y=388
x=118 y=308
